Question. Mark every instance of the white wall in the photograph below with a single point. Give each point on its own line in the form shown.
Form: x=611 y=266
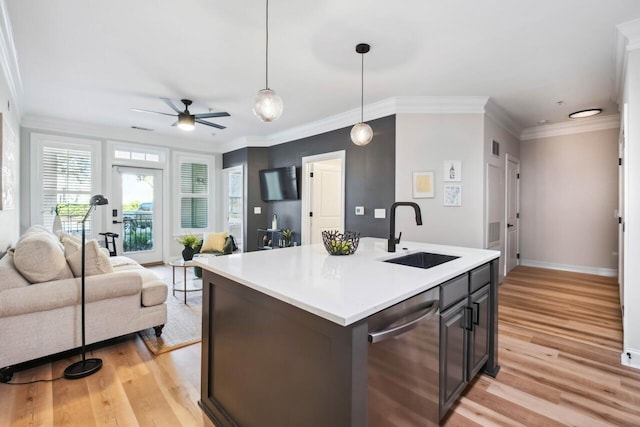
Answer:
x=569 y=193
x=9 y=219
x=509 y=144
x=631 y=320
x=423 y=143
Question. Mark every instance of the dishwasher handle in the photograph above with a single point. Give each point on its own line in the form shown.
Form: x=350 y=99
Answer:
x=406 y=324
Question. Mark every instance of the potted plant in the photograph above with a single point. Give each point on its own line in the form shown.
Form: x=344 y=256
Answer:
x=190 y=242
x=287 y=236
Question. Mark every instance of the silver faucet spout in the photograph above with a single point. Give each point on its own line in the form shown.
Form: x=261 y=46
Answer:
x=391 y=246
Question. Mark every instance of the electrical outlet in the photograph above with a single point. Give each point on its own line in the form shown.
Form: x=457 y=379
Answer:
x=257 y=210
x=380 y=213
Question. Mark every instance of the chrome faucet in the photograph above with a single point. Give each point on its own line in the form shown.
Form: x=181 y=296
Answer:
x=391 y=247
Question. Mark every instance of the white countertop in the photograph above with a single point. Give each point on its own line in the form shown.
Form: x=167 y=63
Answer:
x=342 y=289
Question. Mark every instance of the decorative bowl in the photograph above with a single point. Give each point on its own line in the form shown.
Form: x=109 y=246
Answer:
x=337 y=243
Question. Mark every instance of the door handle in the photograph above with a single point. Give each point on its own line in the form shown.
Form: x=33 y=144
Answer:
x=468 y=323
x=509 y=225
x=476 y=313
x=116 y=222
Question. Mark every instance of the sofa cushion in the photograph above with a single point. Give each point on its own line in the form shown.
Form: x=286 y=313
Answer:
x=9 y=276
x=39 y=256
x=213 y=242
x=64 y=293
x=96 y=261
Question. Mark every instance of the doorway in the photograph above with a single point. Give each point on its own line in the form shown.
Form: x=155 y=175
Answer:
x=323 y=204
x=137 y=213
x=512 y=203
x=234 y=204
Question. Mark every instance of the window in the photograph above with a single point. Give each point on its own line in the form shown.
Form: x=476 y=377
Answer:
x=194 y=193
x=65 y=180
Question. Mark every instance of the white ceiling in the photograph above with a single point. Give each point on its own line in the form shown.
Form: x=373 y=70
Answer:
x=90 y=62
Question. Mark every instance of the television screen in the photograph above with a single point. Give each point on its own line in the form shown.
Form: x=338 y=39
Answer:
x=279 y=184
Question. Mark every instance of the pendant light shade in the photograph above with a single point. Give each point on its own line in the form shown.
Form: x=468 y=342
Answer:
x=267 y=105
x=361 y=133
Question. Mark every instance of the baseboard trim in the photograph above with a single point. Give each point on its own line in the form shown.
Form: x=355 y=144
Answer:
x=630 y=358
x=609 y=272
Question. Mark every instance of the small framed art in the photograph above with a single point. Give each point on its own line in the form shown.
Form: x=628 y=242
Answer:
x=423 y=185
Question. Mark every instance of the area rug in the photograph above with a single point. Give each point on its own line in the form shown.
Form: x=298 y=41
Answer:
x=183 y=328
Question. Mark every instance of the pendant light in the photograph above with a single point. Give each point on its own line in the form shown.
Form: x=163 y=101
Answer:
x=362 y=134
x=267 y=105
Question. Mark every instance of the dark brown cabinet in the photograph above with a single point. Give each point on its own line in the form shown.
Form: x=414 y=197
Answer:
x=465 y=331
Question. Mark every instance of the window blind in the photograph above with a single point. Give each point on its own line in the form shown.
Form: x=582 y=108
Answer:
x=66 y=186
x=194 y=195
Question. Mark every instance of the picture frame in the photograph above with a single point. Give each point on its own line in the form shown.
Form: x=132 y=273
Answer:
x=423 y=185
x=452 y=195
x=452 y=171
x=8 y=166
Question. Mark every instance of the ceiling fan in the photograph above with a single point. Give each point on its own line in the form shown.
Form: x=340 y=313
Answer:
x=186 y=120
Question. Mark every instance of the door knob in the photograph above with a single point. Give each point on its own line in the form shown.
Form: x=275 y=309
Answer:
x=509 y=225
x=116 y=222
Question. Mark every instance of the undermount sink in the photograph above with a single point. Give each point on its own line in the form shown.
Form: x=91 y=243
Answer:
x=422 y=259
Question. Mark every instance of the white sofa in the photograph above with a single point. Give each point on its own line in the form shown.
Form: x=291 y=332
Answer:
x=40 y=311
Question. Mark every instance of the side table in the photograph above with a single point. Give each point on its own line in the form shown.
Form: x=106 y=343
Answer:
x=185 y=288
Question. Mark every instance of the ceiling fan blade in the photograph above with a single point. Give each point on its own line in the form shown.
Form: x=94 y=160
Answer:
x=170 y=104
x=203 y=122
x=155 y=112
x=210 y=115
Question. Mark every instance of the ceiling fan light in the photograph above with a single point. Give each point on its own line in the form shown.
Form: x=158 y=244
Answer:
x=361 y=134
x=186 y=122
x=267 y=105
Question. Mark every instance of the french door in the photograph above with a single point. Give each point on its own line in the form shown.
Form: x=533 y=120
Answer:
x=136 y=213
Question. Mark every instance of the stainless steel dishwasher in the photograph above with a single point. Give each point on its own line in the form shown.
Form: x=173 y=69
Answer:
x=403 y=363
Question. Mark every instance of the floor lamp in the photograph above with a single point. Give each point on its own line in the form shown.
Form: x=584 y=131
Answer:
x=85 y=367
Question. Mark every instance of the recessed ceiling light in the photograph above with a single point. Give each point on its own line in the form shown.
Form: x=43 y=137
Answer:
x=585 y=113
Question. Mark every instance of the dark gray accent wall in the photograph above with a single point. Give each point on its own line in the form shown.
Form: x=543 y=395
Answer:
x=369 y=176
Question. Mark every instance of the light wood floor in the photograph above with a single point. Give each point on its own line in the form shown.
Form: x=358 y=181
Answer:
x=560 y=344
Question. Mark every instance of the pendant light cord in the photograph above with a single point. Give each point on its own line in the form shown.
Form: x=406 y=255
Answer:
x=266 y=65
x=362 y=90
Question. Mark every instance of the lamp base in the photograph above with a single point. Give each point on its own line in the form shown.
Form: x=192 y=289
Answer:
x=82 y=369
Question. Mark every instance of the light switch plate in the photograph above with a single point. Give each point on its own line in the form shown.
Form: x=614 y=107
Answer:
x=359 y=210
x=380 y=213
x=257 y=210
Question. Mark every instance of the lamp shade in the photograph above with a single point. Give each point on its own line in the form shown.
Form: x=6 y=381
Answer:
x=186 y=121
x=361 y=134
x=267 y=105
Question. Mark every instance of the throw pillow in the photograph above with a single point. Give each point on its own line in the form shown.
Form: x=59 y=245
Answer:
x=11 y=278
x=71 y=246
x=39 y=256
x=96 y=262
x=214 y=242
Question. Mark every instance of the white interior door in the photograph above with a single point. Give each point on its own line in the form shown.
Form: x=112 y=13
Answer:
x=512 y=213
x=621 y=211
x=234 y=203
x=323 y=183
x=136 y=213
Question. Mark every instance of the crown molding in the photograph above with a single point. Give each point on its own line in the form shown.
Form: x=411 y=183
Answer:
x=101 y=132
x=626 y=39
x=500 y=116
x=9 y=60
x=376 y=110
x=611 y=121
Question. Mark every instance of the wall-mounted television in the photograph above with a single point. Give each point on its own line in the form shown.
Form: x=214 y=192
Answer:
x=279 y=184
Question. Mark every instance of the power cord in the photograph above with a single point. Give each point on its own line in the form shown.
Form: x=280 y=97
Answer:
x=7 y=374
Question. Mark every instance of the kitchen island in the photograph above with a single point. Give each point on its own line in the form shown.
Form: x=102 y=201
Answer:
x=285 y=333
